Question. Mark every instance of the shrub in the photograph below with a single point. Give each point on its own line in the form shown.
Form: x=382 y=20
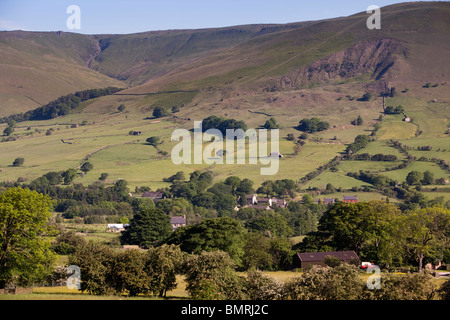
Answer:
x=262 y=287
x=159 y=112
x=86 y=167
x=324 y=283
x=411 y=286
x=18 y=162
x=313 y=125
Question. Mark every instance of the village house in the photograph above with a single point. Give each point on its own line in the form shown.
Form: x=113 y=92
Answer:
x=177 y=222
x=325 y=201
x=278 y=203
x=155 y=196
x=250 y=199
x=308 y=259
x=264 y=203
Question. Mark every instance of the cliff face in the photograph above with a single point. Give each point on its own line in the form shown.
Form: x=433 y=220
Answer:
x=377 y=58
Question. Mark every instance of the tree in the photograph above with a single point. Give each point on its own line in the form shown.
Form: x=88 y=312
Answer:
x=424 y=231
x=159 y=112
x=25 y=252
x=273 y=224
x=211 y=275
x=163 y=264
x=234 y=182
x=67 y=243
x=366 y=96
x=147 y=228
x=271 y=124
x=361 y=141
x=69 y=176
x=256 y=249
x=95 y=260
x=363 y=227
x=411 y=286
x=359 y=121
x=127 y=273
x=393 y=92
x=223 y=234
x=121 y=108
x=53 y=178
x=103 y=176
x=414 y=178
x=18 y=162
x=312 y=125
x=11 y=123
x=179 y=176
x=428 y=178
x=325 y=283
x=259 y=286
x=86 y=167
x=8 y=131
x=153 y=141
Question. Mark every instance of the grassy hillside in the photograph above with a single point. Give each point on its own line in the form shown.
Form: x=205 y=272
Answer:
x=251 y=73
x=39 y=67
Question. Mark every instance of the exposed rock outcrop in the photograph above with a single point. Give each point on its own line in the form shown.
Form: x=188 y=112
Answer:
x=378 y=58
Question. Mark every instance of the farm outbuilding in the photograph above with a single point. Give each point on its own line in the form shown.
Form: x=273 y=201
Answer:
x=350 y=199
x=307 y=259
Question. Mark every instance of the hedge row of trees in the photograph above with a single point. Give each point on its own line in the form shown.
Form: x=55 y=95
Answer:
x=375 y=157
x=361 y=141
x=61 y=106
x=212 y=276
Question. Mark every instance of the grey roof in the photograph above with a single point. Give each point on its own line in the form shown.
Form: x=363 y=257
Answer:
x=350 y=197
x=178 y=220
x=320 y=256
x=150 y=194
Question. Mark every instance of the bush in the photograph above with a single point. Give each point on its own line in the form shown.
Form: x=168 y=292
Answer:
x=103 y=176
x=8 y=131
x=153 y=141
x=86 y=167
x=211 y=275
x=262 y=287
x=159 y=112
x=313 y=125
x=271 y=124
x=415 y=286
x=332 y=261
x=444 y=290
x=324 y=283
x=18 y=162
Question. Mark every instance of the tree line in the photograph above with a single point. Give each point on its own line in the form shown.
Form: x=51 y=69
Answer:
x=61 y=106
x=212 y=276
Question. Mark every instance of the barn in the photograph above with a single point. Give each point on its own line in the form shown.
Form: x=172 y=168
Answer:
x=308 y=259
x=350 y=199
